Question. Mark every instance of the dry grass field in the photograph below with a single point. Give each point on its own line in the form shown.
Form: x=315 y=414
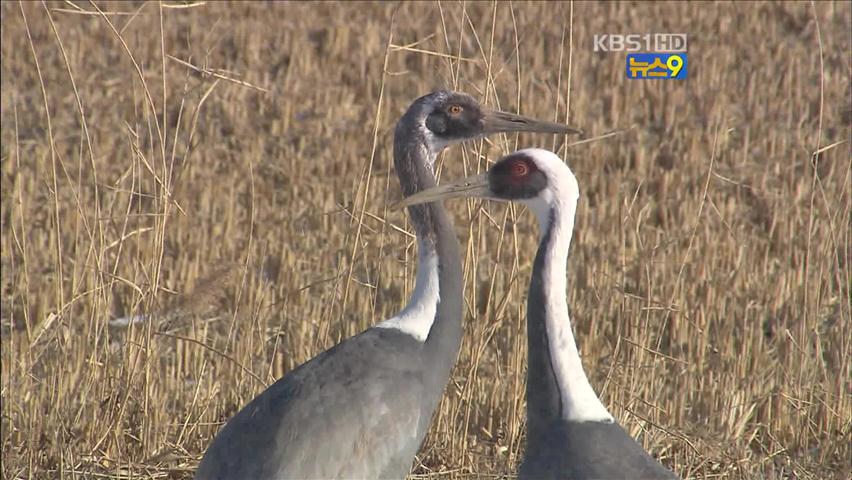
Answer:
x=225 y=170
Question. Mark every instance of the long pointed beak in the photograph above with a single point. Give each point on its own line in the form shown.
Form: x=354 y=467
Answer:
x=496 y=122
x=476 y=186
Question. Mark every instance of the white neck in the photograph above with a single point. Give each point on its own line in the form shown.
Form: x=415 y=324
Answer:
x=579 y=401
x=417 y=317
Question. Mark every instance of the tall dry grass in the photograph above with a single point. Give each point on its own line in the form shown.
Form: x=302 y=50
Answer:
x=225 y=169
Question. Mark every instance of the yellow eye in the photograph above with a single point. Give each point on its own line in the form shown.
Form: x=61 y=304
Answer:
x=455 y=109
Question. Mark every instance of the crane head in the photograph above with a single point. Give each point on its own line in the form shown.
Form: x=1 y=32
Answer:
x=447 y=117
x=536 y=177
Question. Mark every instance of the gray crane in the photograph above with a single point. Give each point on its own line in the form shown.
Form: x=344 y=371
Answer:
x=362 y=408
x=570 y=434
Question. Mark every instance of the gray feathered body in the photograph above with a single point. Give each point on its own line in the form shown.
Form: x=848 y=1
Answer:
x=330 y=417
x=362 y=408
x=586 y=451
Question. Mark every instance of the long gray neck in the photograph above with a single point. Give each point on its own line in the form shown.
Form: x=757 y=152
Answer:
x=557 y=386
x=438 y=256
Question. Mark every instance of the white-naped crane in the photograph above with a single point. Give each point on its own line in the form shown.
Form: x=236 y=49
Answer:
x=362 y=408
x=570 y=434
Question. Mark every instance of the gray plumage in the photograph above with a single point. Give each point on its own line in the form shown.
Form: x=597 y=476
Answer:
x=297 y=427
x=362 y=408
x=588 y=450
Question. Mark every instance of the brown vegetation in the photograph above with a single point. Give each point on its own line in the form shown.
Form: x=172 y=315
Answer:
x=225 y=169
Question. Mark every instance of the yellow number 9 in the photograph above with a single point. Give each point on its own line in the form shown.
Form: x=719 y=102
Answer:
x=675 y=63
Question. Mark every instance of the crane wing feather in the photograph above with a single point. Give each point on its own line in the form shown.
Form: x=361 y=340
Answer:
x=350 y=412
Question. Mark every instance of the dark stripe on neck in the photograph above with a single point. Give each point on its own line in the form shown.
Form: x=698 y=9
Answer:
x=544 y=399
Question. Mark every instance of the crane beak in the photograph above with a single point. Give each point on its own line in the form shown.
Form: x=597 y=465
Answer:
x=476 y=186
x=497 y=122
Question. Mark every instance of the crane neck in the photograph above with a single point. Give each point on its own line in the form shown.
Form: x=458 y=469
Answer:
x=557 y=386
x=433 y=313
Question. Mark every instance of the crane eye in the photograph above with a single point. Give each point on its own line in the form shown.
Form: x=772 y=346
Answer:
x=455 y=109
x=520 y=169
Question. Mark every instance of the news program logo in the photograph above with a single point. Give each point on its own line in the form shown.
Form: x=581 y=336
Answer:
x=657 y=55
x=670 y=66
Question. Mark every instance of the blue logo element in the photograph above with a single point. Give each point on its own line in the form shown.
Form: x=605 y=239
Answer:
x=663 y=66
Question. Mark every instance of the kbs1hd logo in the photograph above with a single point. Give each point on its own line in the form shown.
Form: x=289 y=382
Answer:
x=657 y=55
